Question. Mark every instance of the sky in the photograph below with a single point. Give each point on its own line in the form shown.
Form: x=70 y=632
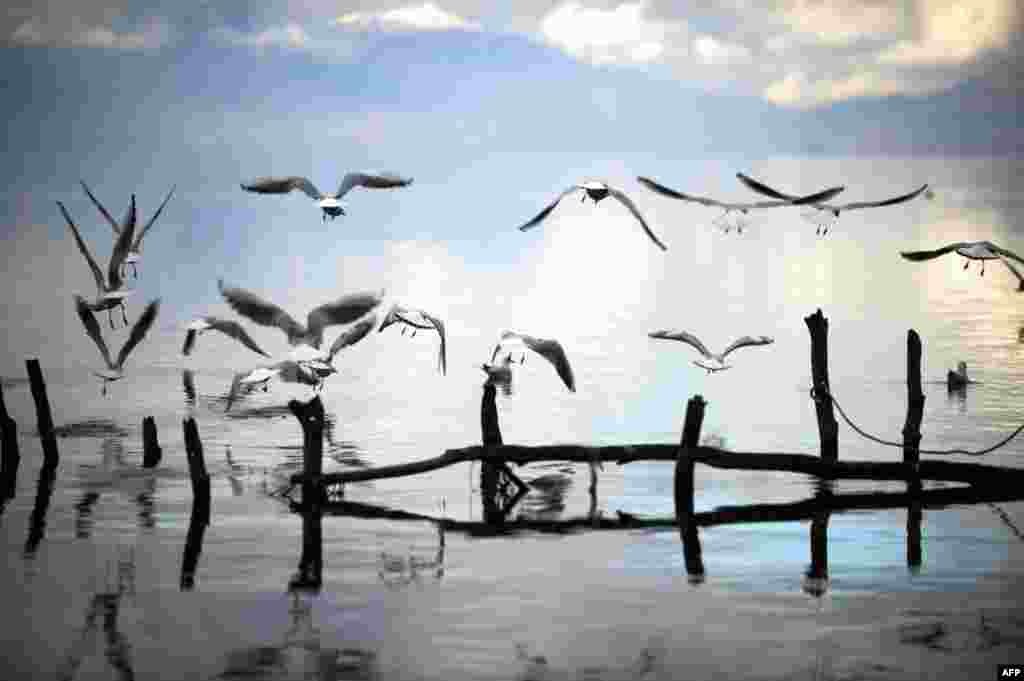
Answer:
x=492 y=108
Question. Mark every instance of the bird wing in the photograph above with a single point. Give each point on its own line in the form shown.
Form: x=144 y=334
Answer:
x=103 y=211
x=122 y=246
x=1005 y=253
x=351 y=336
x=628 y=203
x=817 y=197
x=139 y=331
x=141 y=234
x=552 y=351
x=550 y=207
x=442 y=353
x=92 y=328
x=762 y=188
x=928 y=255
x=393 y=316
x=96 y=272
x=747 y=341
x=672 y=193
x=235 y=330
x=381 y=181
x=684 y=337
x=261 y=311
x=344 y=310
x=1015 y=271
x=885 y=202
x=283 y=185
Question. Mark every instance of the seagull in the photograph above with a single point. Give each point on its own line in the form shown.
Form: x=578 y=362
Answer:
x=330 y=204
x=344 y=310
x=596 y=191
x=973 y=250
x=499 y=374
x=715 y=362
x=823 y=214
x=288 y=371
x=958 y=379
x=417 y=319
x=226 y=326
x=135 y=251
x=551 y=350
x=115 y=370
x=110 y=291
x=737 y=209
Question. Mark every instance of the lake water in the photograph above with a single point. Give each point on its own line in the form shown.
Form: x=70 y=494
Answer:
x=91 y=585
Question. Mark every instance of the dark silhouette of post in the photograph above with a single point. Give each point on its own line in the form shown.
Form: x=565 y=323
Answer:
x=490 y=433
x=683 y=488
x=816 y=577
x=914 y=517
x=311 y=417
x=151 y=451
x=10 y=457
x=44 y=419
x=37 y=521
x=915 y=400
x=828 y=428
x=200 y=503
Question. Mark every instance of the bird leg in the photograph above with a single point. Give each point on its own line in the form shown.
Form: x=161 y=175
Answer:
x=124 y=314
x=413 y=334
x=110 y=317
x=983 y=268
x=403 y=330
x=967 y=263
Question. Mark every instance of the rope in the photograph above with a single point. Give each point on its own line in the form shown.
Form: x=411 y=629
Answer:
x=890 y=443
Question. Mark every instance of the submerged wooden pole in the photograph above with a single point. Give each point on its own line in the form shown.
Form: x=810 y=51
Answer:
x=44 y=419
x=10 y=457
x=816 y=577
x=311 y=417
x=490 y=435
x=200 y=503
x=683 y=481
x=915 y=400
x=151 y=451
x=828 y=428
x=915 y=515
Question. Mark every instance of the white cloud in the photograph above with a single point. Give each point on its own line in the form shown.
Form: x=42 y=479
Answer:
x=425 y=17
x=288 y=36
x=292 y=36
x=956 y=32
x=709 y=50
x=839 y=22
x=621 y=34
x=76 y=33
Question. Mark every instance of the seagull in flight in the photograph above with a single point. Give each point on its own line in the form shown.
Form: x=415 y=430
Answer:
x=738 y=210
x=330 y=204
x=714 y=362
x=418 y=319
x=597 y=191
x=115 y=370
x=322 y=364
x=228 y=327
x=110 y=291
x=822 y=214
x=287 y=371
x=549 y=349
x=344 y=310
x=973 y=250
x=135 y=250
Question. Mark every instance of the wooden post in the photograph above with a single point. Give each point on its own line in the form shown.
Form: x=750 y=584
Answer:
x=44 y=418
x=490 y=433
x=10 y=457
x=151 y=452
x=37 y=521
x=200 y=503
x=816 y=577
x=311 y=418
x=828 y=428
x=914 y=517
x=915 y=400
x=683 y=487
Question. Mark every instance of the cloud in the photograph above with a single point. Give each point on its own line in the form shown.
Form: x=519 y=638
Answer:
x=291 y=36
x=956 y=32
x=74 y=32
x=622 y=34
x=425 y=17
x=712 y=51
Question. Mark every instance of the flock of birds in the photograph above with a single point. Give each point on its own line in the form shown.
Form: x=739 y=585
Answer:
x=307 y=363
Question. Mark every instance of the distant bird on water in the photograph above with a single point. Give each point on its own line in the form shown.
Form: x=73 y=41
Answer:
x=597 y=191
x=958 y=379
x=110 y=290
x=344 y=310
x=822 y=214
x=226 y=326
x=973 y=250
x=135 y=251
x=737 y=209
x=715 y=362
x=330 y=204
x=549 y=349
x=418 y=319
x=115 y=370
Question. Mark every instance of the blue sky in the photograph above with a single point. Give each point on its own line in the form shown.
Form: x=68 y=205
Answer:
x=492 y=111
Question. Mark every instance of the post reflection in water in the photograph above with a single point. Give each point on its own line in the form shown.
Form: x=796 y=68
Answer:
x=914 y=516
x=112 y=474
x=37 y=520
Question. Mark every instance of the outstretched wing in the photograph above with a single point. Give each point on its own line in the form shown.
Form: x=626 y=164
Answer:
x=261 y=311
x=96 y=272
x=122 y=247
x=139 y=331
x=381 y=181
x=92 y=328
x=344 y=310
x=672 y=193
x=103 y=211
x=535 y=220
x=351 y=336
x=283 y=185
x=762 y=188
x=145 y=228
x=928 y=255
x=1005 y=253
x=549 y=349
x=746 y=341
x=1016 y=272
x=628 y=203
x=230 y=327
x=684 y=337
x=442 y=353
x=885 y=202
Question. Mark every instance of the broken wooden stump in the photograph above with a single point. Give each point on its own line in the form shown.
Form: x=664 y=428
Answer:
x=500 y=488
x=200 y=517
x=311 y=417
x=828 y=427
x=151 y=451
x=683 y=488
x=10 y=457
x=915 y=401
x=44 y=419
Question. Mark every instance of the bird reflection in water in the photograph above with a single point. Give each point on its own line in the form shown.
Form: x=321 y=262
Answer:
x=112 y=474
x=546 y=498
x=398 y=571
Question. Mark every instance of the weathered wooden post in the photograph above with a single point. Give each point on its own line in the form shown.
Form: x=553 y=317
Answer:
x=37 y=521
x=915 y=400
x=683 y=487
x=200 y=503
x=914 y=517
x=828 y=428
x=10 y=457
x=44 y=418
x=151 y=452
x=311 y=418
x=816 y=577
x=490 y=432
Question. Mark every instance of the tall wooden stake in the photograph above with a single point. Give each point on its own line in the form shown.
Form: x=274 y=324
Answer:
x=915 y=400
x=151 y=452
x=683 y=487
x=9 y=455
x=200 y=503
x=311 y=417
x=44 y=418
x=828 y=428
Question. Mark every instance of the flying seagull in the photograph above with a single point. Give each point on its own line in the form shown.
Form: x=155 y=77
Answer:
x=344 y=310
x=973 y=250
x=115 y=371
x=287 y=371
x=737 y=209
x=418 y=319
x=597 y=191
x=330 y=204
x=110 y=291
x=322 y=364
x=823 y=214
x=226 y=326
x=715 y=362
x=135 y=251
x=551 y=350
